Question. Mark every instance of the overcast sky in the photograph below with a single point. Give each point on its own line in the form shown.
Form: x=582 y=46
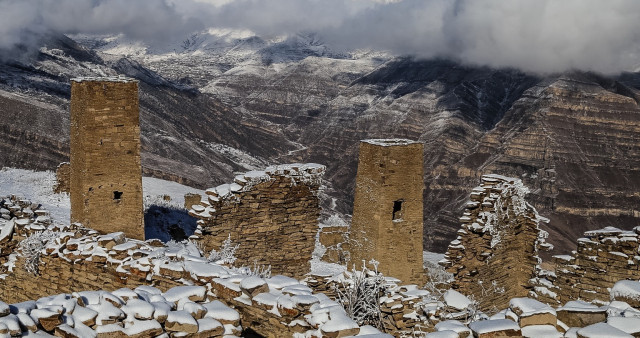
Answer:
x=533 y=35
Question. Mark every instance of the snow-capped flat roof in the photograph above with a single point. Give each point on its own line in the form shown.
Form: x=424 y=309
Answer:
x=390 y=142
x=119 y=78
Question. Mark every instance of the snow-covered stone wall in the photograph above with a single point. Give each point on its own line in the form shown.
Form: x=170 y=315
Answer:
x=272 y=215
x=75 y=259
x=496 y=253
x=602 y=258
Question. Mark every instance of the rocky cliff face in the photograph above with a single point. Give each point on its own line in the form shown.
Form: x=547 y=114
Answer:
x=229 y=104
x=571 y=139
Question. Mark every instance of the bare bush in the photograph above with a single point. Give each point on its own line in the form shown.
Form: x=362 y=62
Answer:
x=360 y=295
x=30 y=248
x=226 y=254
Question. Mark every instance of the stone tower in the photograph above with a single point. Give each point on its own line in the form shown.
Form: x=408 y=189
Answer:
x=106 y=175
x=387 y=210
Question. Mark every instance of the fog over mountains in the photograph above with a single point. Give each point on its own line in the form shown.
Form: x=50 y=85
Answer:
x=542 y=90
x=539 y=36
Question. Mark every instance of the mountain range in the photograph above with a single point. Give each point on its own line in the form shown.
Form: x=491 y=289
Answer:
x=222 y=102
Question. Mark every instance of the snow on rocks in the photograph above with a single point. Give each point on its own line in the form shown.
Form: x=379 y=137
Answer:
x=453 y=326
x=536 y=331
x=4 y=309
x=93 y=314
x=456 y=300
x=253 y=286
x=194 y=293
x=581 y=314
x=630 y=325
x=601 y=330
x=532 y=312
x=627 y=291
x=495 y=328
x=310 y=173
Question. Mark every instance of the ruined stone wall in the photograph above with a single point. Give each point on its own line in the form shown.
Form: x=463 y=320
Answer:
x=191 y=199
x=63 y=178
x=335 y=243
x=272 y=215
x=106 y=174
x=387 y=222
x=78 y=259
x=19 y=218
x=602 y=258
x=496 y=253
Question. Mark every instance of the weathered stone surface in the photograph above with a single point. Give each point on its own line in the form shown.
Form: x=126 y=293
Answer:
x=581 y=319
x=181 y=321
x=4 y=309
x=253 y=286
x=495 y=255
x=598 y=262
x=387 y=213
x=272 y=215
x=50 y=321
x=106 y=172
x=191 y=200
x=63 y=178
x=538 y=319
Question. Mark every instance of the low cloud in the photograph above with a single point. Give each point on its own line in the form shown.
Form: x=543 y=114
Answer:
x=539 y=36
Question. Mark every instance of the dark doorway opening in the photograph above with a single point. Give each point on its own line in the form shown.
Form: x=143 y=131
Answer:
x=397 y=210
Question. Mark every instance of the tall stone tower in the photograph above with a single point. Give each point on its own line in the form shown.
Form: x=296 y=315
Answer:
x=387 y=211
x=106 y=174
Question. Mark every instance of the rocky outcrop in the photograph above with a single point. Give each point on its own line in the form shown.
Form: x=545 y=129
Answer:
x=570 y=140
x=496 y=252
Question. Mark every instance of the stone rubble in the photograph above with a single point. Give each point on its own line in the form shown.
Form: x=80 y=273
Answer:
x=79 y=259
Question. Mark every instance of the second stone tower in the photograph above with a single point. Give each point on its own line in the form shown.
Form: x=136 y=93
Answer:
x=106 y=173
x=387 y=211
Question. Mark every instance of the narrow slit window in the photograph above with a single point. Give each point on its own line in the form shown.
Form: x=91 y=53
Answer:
x=117 y=195
x=398 y=207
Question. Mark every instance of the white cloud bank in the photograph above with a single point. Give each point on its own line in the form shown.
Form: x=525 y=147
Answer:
x=533 y=35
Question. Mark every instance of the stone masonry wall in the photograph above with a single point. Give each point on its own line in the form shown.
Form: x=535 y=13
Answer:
x=79 y=259
x=496 y=253
x=271 y=214
x=106 y=173
x=63 y=178
x=387 y=222
x=602 y=258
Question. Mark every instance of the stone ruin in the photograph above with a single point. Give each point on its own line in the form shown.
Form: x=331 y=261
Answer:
x=602 y=258
x=387 y=222
x=179 y=292
x=496 y=252
x=272 y=215
x=63 y=178
x=106 y=172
